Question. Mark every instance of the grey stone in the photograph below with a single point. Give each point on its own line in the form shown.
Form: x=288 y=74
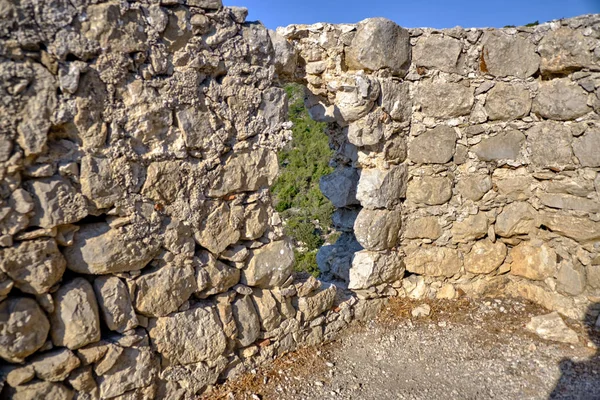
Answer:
x=421 y=311
x=164 y=291
x=218 y=229
x=569 y=202
x=378 y=229
x=586 y=148
x=317 y=303
x=571 y=278
x=269 y=266
x=369 y=130
x=504 y=146
x=188 y=337
x=430 y=190
x=438 y=52
x=471 y=228
x=75 y=321
x=380 y=43
x=474 y=187
x=444 y=99
x=561 y=100
x=115 y=303
x=246 y=320
x=518 y=218
x=136 y=368
x=286 y=58
x=56 y=202
x=43 y=390
x=267 y=309
x=533 y=260
x=433 y=147
x=485 y=257
x=55 y=365
x=580 y=229
x=340 y=186
x=23 y=328
x=423 y=228
x=433 y=261
x=343 y=219
x=507 y=102
x=371 y=268
x=379 y=188
x=19 y=376
x=214 y=276
x=550 y=145
x=34 y=266
x=565 y=50
x=355 y=98
x=395 y=99
x=507 y=55
x=552 y=327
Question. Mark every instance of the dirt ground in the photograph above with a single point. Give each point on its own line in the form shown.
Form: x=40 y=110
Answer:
x=464 y=349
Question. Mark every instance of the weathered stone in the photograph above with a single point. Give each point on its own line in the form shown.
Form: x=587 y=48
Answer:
x=585 y=148
x=433 y=147
x=246 y=172
x=75 y=320
x=43 y=390
x=565 y=50
x=99 y=249
x=56 y=365
x=113 y=353
x=378 y=188
x=23 y=328
x=537 y=293
x=438 y=52
x=164 y=181
x=82 y=380
x=561 y=100
x=136 y=368
x=20 y=200
x=395 y=99
x=378 y=229
x=423 y=228
x=569 y=202
x=370 y=269
x=533 y=260
x=164 y=291
x=19 y=376
x=369 y=130
x=380 y=43
x=504 y=146
x=267 y=310
x=343 y=219
x=213 y=276
x=35 y=266
x=514 y=184
x=286 y=58
x=115 y=304
x=444 y=99
x=433 y=261
x=317 y=303
x=552 y=327
x=507 y=102
x=355 y=98
x=246 y=320
x=92 y=353
x=571 y=278
x=550 y=144
x=471 y=228
x=218 y=230
x=485 y=257
x=474 y=187
x=340 y=187
x=189 y=336
x=56 y=202
x=430 y=190
x=580 y=229
x=507 y=55
x=518 y=218
x=256 y=222
x=269 y=266
x=422 y=310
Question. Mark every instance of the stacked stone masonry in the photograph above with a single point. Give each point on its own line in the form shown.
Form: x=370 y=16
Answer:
x=140 y=255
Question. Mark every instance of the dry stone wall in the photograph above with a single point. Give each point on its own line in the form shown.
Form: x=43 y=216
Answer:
x=140 y=255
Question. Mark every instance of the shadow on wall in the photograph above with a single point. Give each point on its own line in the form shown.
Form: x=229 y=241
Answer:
x=579 y=378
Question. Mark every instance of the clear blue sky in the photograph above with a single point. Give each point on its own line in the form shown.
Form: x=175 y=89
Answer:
x=415 y=13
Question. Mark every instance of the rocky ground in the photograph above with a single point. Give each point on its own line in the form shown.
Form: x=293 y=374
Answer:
x=462 y=350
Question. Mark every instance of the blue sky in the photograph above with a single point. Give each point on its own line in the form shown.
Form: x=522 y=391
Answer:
x=415 y=13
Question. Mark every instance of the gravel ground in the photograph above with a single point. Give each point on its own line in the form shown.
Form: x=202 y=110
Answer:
x=462 y=350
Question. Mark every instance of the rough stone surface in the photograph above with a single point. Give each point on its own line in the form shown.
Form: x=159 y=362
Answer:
x=316 y=303
x=535 y=261
x=269 y=266
x=433 y=261
x=550 y=145
x=246 y=320
x=564 y=50
x=584 y=149
x=23 y=328
x=423 y=228
x=471 y=228
x=371 y=268
x=518 y=218
x=474 y=187
x=43 y=390
x=508 y=102
x=433 y=147
x=136 y=368
x=381 y=188
x=445 y=100
x=561 y=100
x=115 y=303
x=552 y=327
x=504 y=146
x=55 y=366
x=340 y=187
x=162 y=292
x=507 y=55
x=378 y=229
x=485 y=257
x=430 y=190
x=438 y=52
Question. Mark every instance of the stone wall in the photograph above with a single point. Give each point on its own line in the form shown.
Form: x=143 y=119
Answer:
x=140 y=256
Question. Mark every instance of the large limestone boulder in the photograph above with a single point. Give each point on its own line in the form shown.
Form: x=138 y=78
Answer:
x=135 y=368
x=474 y=187
x=316 y=303
x=35 y=266
x=162 y=292
x=286 y=58
x=550 y=145
x=340 y=186
x=565 y=50
x=395 y=99
x=269 y=266
x=580 y=229
x=56 y=202
x=433 y=147
x=246 y=320
x=513 y=184
x=503 y=146
x=444 y=99
x=355 y=97
x=378 y=229
x=382 y=188
x=438 y=52
x=99 y=249
x=371 y=268
x=433 y=261
x=43 y=390
x=380 y=43
x=569 y=202
x=189 y=336
x=586 y=148
x=218 y=229
x=485 y=257
x=23 y=328
x=561 y=100
x=552 y=327
x=508 y=55
x=507 y=102
x=214 y=276
x=471 y=228
x=55 y=365
x=75 y=321
x=533 y=260
x=430 y=190
x=571 y=278
x=115 y=303
x=518 y=218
